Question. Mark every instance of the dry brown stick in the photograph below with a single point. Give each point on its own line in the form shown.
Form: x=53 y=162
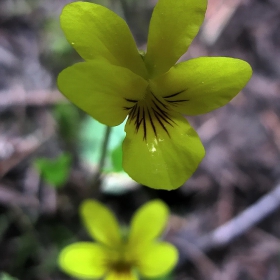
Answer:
x=23 y=147
x=19 y=97
x=218 y=20
x=228 y=232
x=204 y=265
x=11 y=197
x=234 y=228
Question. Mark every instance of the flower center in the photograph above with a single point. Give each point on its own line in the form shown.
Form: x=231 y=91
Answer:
x=121 y=261
x=151 y=115
x=121 y=267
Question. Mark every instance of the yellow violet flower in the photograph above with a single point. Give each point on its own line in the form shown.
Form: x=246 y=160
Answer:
x=115 y=257
x=161 y=149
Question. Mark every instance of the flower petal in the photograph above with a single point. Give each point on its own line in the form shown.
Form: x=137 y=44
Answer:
x=162 y=154
x=141 y=231
x=158 y=259
x=102 y=90
x=96 y=32
x=84 y=260
x=118 y=275
x=202 y=84
x=101 y=223
x=173 y=26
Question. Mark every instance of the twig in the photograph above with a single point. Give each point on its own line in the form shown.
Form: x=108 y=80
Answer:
x=10 y=197
x=234 y=228
x=228 y=232
x=23 y=147
x=97 y=175
x=215 y=23
x=104 y=148
x=19 y=97
x=199 y=259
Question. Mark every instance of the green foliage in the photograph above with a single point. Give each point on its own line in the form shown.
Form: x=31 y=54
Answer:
x=54 y=171
x=27 y=246
x=4 y=225
x=57 y=43
x=67 y=117
x=116 y=157
x=6 y=276
x=50 y=262
x=91 y=138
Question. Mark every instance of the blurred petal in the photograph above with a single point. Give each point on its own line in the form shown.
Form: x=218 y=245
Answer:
x=161 y=150
x=203 y=84
x=142 y=231
x=96 y=32
x=158 y=259
x=83 y=260
x=121 y=275
x=101 y=223
x=173 y=26
x=102 y=90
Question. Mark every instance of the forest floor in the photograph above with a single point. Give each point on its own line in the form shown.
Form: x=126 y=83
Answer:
x=225 y=220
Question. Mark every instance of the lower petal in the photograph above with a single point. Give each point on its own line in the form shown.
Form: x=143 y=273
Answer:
x=83 y=260
x=118 y=275
x=157 y=259
x=161 y=155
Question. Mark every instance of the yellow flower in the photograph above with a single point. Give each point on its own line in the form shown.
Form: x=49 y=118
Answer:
x=161 y=149
x=118 y=257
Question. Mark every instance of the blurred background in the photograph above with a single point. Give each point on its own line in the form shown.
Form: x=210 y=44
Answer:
x=50 y=150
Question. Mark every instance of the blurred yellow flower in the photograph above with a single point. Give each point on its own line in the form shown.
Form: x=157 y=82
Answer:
x=118 y=257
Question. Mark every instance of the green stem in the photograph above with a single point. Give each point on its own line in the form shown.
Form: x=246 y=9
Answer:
x=104 y=148
x=97 y=177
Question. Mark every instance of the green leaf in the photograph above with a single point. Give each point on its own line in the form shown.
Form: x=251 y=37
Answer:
x=168 y=276
x=91 y=139
x=116 y=157
x=67 y=117
x=54 y=171
x=6 y=276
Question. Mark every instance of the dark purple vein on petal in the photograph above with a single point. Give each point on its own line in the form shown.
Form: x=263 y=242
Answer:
x=152 y=123
x=144 y=127
x=160 y=101
x=174 y=94
x=162 y=117
x=175 y=101
x=162 y=125
x=163 y=112
x=131 y=100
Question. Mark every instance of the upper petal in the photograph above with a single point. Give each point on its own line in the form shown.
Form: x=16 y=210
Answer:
x=101 y=223
x=203 y=84
x=161 y=150
x=141 y=231
x=102 y=90
x=95 y=31
x=84 y=260
x=173 y=26
x=157 y=259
